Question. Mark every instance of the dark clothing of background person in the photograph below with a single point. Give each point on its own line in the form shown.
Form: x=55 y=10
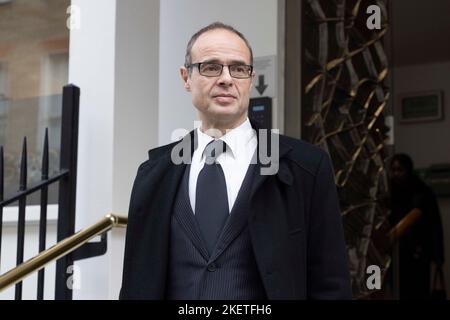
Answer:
x=423 y=243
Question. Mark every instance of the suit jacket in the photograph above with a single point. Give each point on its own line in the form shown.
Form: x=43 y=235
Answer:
x=295 y=225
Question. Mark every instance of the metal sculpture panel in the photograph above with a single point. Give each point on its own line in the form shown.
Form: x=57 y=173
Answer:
x=343 y=104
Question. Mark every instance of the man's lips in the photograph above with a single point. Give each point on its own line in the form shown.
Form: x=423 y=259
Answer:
x=224 y=98
x=224 y=95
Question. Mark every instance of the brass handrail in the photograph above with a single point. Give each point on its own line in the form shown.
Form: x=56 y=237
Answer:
x=61 y=249
x=404 y=225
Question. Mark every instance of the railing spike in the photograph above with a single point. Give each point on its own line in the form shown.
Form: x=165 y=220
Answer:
x=43 y=216
x=21 y=219
x=23 y=166
x=45 y=157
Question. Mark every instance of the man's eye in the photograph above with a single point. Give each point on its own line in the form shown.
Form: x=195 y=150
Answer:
x=240 y=69
x=211 y=67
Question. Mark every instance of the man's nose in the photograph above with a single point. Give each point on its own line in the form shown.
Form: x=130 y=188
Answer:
x=225 y=78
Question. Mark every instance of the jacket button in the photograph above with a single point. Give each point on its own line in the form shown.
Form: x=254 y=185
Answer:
x=212 y=267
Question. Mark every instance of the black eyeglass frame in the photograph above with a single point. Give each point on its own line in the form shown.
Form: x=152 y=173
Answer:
x=199 y=64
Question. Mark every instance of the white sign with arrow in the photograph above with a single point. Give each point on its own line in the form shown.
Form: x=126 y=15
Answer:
x=264 y=84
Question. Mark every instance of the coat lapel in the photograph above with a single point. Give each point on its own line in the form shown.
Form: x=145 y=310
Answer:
x=259 y=178
x=185 y=217
x=261 y=222
x=238 y=216
x=152 y=203
x=242 y=210
x=158 y=197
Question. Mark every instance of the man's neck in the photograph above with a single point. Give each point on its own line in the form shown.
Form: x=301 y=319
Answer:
x=219 y=129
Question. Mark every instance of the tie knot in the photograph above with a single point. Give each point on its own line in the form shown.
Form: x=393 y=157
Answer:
x=214 y=149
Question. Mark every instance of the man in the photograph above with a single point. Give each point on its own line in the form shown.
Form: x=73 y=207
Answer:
x=217 y=227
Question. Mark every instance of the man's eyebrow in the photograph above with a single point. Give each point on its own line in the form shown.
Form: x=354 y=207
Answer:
x=238 y=62
x=213 y=60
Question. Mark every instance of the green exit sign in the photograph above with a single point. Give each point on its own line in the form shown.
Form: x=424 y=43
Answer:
x=421 y=107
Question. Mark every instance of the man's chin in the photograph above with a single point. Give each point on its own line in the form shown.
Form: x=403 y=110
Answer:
x=225 y=111
x=225 y=115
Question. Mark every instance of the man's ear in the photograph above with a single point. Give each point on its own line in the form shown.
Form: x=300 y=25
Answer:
x=253 y=79
x=184 y=73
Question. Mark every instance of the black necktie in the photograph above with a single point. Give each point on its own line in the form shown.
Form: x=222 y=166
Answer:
x=211 y=200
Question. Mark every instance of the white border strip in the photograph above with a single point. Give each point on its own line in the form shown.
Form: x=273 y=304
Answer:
x=32 y=214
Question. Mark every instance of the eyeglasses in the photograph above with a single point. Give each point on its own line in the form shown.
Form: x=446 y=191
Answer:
x=209 y=69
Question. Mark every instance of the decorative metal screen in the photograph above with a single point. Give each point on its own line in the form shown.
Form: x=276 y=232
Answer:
x=344 y=70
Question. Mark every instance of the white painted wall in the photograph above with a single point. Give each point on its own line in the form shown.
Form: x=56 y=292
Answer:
x=91 y=67
x=427 y=142
x=180 y=19
x=114 y=59
x=135 y=111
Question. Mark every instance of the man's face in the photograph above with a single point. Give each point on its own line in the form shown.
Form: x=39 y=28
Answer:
x=398 y=172
x=223 y=99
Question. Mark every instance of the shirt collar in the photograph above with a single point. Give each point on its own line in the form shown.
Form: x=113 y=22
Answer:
x=236 y=139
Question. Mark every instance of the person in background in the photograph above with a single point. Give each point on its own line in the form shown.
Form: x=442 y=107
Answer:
x=421 y=250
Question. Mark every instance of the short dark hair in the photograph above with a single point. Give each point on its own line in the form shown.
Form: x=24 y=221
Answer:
x=405 y=161
x=213 y=26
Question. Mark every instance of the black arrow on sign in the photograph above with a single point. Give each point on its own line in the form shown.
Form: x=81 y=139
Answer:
x=261 y=87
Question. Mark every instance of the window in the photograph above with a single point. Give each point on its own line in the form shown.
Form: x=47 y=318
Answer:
x=34 y=46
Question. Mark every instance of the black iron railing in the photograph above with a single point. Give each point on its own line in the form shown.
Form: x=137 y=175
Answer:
x=67 y=179
x=67 y=184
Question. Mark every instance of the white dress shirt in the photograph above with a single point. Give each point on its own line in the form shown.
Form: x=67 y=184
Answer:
x=241 y=145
